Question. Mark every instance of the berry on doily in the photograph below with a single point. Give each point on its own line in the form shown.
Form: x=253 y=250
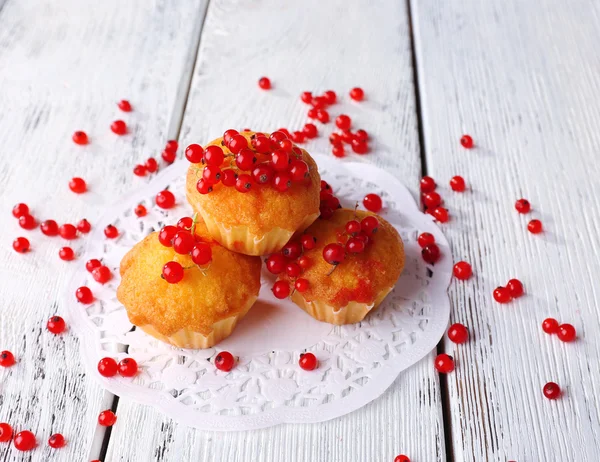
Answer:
x=224 y=361
x=127 y=367
x=102 y=274
x=107 y=367
x=462 y=270
x=19 y=210
x=67 y=231
x=84 y=226
x=425 y=239
x=111 y=232
x=66 y=253
x=308 y=361
x=165 y=199
x=84 y=295
x=373 y=202
x=430 y=253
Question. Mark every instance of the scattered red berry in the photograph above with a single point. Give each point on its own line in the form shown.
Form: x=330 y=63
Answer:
x=308 y=361
x=359 y=147
x=425 y=239
x=49 y=228
x=151 y=165
x=432 y=199
x=322 y=116
x=19 y=210
x=515 y=287
x=56 y=325
x=462 y=270
x=171 y=146
x=124 y=105
x=80 y=137
x=224 y=361
x=139 y=170
x=107 y=367
x=458 y=333
x=338 y=150
x=330 y=97
x=281 y=289
x=401 y=458
x=24 y=441
x=550 y=326
x=111 y=231
x=102 y=274
x=67 y=231
x=165 y=199
x=440 y=214
x=77 y=185
x=502 y=295
x=6 y=432
x=334 y=254
x=84 y=226
x=566 y=333
x=466 y=141
x=7 y=359
x=84 y=295
x=306 y=97
x=310 y=130
x=56 y=441
x=264 y=83
x=66 y=254
x=168 y=156
x=372 y=202
x=427 y=184
x=140 y=210
x=535 y=226
x=172 y=272
x=357 y=94
x=21 y=244
x=119 y=127
x=27 y=221
x=444 y=363
x=523 y=206
x=107 y=418
x=551 y=390
x=457 y=183
x=91 y=264
x=298 y=137
x=128 y=367
x=430 y=253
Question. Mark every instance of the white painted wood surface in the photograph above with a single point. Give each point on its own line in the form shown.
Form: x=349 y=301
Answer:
x=522 y=78
x=305 y=46
x=63 y=67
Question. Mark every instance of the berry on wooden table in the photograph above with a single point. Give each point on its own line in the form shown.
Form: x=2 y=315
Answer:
x=172 y=272
x=24 y=441
x=67 y=231
x=444 y=363
x=107 y=418
x=84 y=226
x=458 y=333
x=427 y=184
x=535 y=226
x=462 y=270
x=56 y=325
x=550 y=326
x=425 y=239
x=338 y=151
x=66 y=253
x=6 y=432
x=224 y=361
x=551 y=390
x=566 y=333
x=357 y=94
x=401 y=458
x=171 y=145
x=128 y=367
x=440 y=214
x=168 y=156
x=264 y=83
x=151 y=165
x=430 y=253
x=502 y=294
x=322 y=116
x=80 y=138
x=118 y=127
x=7 y=359
x=310 y=130
x=84 y=295
x=27 y=221
x=139 y=170
x=281 y=289
x=330 y=97
x=306 y=97
x=19 y=210
x=523 y=206
x=107 y=367
x=466 y=141
x=77 y=185
x=343 y=122
x=516 y=288
x=56 y=441
x=124 y=105
x=308 y=361
x=49 y=228
x=457 y=183
x=111 y=232
x=21 y=245
x=165 y=199
x=373 y=202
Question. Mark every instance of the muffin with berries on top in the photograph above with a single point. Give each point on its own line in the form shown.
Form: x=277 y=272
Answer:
x=253 y=191
x=184 y=288
x=341 y=268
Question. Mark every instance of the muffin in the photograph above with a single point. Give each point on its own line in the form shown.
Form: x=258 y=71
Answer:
x=253 y=191
x=189 y=292
x=349 y=263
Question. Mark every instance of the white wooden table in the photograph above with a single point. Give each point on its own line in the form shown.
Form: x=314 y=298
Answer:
x=521 y=77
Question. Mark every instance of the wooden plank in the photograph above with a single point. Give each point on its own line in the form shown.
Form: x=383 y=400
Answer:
x=63 y=67
x=314 y=46
x=522 y=78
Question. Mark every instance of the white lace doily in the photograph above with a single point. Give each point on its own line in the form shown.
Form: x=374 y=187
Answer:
x=267 y=387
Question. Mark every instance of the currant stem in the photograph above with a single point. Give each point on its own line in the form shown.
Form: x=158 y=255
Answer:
x=332 y=270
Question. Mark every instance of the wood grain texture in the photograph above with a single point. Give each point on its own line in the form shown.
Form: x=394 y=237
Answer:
x=522 y=78
x=314 y=46
x=63 y=67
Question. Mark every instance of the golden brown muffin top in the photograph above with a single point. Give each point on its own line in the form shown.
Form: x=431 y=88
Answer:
x=198 y=300
x=263 y=207
x=360 y=277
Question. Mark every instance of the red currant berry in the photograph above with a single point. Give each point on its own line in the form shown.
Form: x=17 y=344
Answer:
x=304 y=262
x=330 y=97
x=19 y=210
x=282 y=181
x=7 y=359
x=523 y=206
x=298 y=137
x=124 y=105
x=566 y=333
x=102 y=274
x=338 y=151
x=425 y=239
x=292 y=250
x=458 y=333
x=335 y=139
x=322 y=116
x=128 y=367
x=56 y=325
x=353 y=227
x=84 y=226
x=185 y=223
x=293 y=270
x=369 y=225
x=211 y=174
x=359 y=147
x=306 y=97
x=118 y=127
x=90 y=265
x=56 y=441
x=21 y=244
x=24 y=441
x=357 y=94
x=168 y=156
x=203 y=186
x=183 y=242
x=457 y=183
x=308 y=242
x=80 y=138
x=334 y=254
x=111 y=231
x=6 y=432
x=401 y=458
x=361 y=136
x=440 y=214
x=166 y=235
x=107 y=367
x=49 y=228
x=430 y=253
x=107 y=418
x=343 y=122
x=195 y=154
x=151 y=165
x=139 y=170
x=276 y=263
x=444 y=363
x=310 y=130
x=237 y=143
x=212 y=156
x=172 y=272
x=224 y=361
x=427 y=184
x=347 y=136
x=66 y=254
x=502 y=295
x=264 y=83
x=286 y=146
x=312 y=113
x=355 y=245
x=325 y=212
x=299 y=170
x=67 y=231
x=535 y=226
x=551 y=390
x=228 y=135
x=228 y=177
x=281 y=289
x=308 y=361
x=462 y=270
x=550 y=326
x=171 y=145
x=245 y=159
x=165 y=199
x=516 y=288
x=27 y=221
x=319 y=102
x=261 y=144
x=244 y=183
x=84 y=295
x=373 y=203
x=202 y=254
x=432 y=199
x=140 y=211
x=262 y=173
x=466 y=141
x=301 y=285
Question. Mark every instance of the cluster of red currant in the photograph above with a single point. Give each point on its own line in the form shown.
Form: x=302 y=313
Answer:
x=25 y=440
x=100 y=272
x=329 y=203
x=513 y=289
x=49 y=228
x=534 y=226
x=184 y=241
x=354 y=240
x=357 y=140
x=108 y=367
x=291 y=261
x=432 y=200
x=430 y=252
x=565 y=332
x=280 y=165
